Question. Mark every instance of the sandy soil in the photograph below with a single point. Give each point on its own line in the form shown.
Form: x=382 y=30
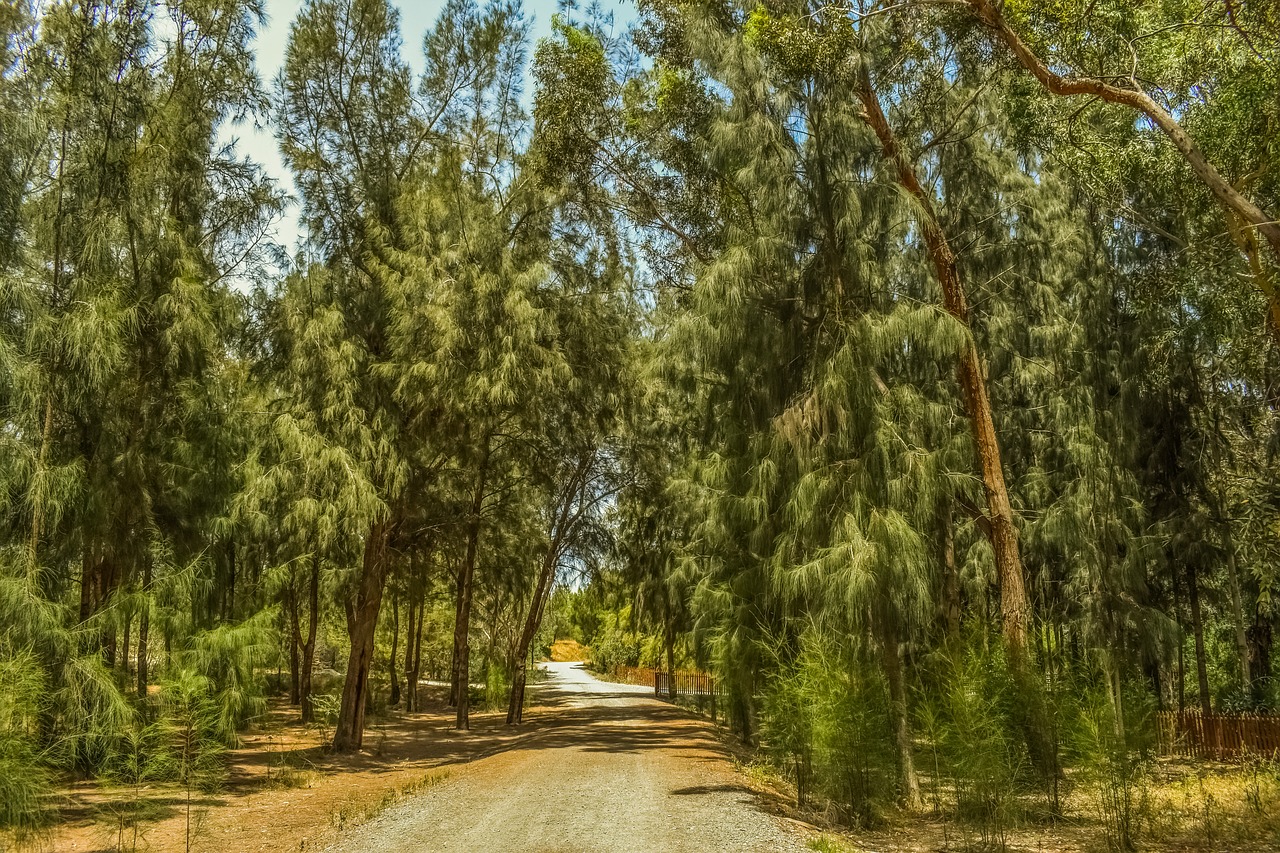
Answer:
x=596 y=766
x=607 y=768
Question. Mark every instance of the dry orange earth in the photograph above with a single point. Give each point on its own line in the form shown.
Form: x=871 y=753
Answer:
x=254 y=810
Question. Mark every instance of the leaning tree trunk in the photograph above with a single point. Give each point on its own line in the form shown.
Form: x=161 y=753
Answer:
x=462 y=612
x=998 y=525
x=362 y=621
x=1228 y=195
x=515 y=709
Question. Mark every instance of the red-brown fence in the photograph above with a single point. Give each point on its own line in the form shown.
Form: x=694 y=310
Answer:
x=687 y=684
x=1218 y=736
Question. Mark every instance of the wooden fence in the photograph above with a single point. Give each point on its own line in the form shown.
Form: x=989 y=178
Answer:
x=687 y=684
x=1221 y=737
x=699 y=687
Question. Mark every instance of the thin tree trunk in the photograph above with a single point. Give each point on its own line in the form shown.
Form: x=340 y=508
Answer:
x=309 y=647
x=295 y=641
x=515 y=708
x=417 y=651
x=362 y=621
x=1260 y=639
x=462 y=614
x=1181 y=662
x=1197 y=628
x=410 y=686
x=950 y=603
x=901 y=721
x=1237 y=610
x=229 y=610
x=1000 y=528
x=125 y=644
x=395 y=645
x=144 y=626
x=671 y=663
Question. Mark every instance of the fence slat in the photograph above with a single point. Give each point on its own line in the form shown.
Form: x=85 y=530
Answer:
x=1222 y=737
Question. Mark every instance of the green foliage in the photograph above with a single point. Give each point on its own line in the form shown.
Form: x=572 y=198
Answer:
x=970 y=715
x=24 y=781
x=1111 y=739
x=825 y=716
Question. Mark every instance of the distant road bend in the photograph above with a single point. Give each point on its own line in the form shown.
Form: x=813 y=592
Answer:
x=608 y=768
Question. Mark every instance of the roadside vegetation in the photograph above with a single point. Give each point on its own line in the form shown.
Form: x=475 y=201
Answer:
x=912 y=368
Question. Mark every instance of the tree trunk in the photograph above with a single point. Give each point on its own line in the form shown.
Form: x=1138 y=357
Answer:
x=1231 y=199
x=1181 y=684
x=410 y=686
x=1000 y=529
x=124 y=644
x=295 y=640
x=950 y=599
x=515 y=709
x=1197 y=628
x=1260 y=636
x=671 y=664
x=395 y=645
x=1237 y=609
x=229 y=607
x=309 y=646
x=462 y=613
x=144 y=627
x=362 y=620
x=901 y=721
x=416 y=671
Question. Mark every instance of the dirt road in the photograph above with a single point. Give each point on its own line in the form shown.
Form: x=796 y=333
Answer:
x=605 y=767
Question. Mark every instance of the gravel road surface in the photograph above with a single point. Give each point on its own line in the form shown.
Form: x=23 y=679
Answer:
x=604 y=767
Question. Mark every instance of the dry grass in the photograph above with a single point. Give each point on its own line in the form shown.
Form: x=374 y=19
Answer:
x=569 y=651
x=1209 y=806
x=1181 y=805
x=354 y=814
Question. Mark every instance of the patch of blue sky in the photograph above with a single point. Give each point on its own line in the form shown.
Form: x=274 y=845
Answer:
x=257 y=140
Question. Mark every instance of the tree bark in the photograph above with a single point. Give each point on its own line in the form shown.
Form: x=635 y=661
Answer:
x=125 y=645
x=295 y=641
x=144 y=627
x=1260 y=638
x=901 y=721
x=950 y=599
x=309 y=646
x=1000 y=528
x=462 y=612
x=362 y=620
x=671 y=663
x=395 y=644
x=1231 y=199
x=416 y=672
x=410 y=684
x=1197 y=628
x=515 y=708
x=1237 y=608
